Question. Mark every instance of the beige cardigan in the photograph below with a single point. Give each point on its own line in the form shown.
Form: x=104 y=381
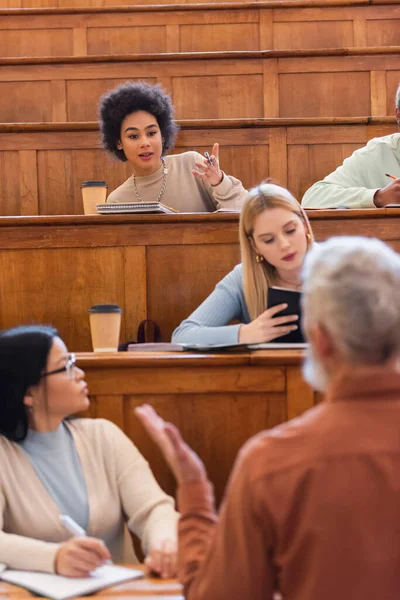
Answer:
x=121 y=488
x=183 y=192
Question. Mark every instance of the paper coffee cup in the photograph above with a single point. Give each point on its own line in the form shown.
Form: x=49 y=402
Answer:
x=93 y=193
x=105 y=324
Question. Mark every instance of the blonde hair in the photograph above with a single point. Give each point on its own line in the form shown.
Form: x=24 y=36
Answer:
x=258 y=276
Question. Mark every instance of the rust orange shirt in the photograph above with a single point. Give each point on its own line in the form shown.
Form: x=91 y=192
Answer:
x=312 y=508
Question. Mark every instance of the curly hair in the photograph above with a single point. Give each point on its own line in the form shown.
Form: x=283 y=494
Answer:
x=130 y=97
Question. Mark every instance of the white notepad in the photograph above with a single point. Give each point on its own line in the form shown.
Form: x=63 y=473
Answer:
x=60 y=588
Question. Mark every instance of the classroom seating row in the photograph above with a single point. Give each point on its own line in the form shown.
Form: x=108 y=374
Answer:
x=191 y=28
x=161 y=267
x=217 y=401
x=275 y=84
x=42 y=165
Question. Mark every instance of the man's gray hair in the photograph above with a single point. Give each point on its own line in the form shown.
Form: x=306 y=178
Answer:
x=351 y=287
x=397 y=100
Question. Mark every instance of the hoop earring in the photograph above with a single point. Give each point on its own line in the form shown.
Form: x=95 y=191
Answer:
x=259 y=258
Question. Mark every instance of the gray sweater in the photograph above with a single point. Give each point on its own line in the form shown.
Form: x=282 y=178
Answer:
x=208 y=324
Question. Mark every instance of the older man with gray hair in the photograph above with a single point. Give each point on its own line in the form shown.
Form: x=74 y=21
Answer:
x=369 y=178
x=312 y=509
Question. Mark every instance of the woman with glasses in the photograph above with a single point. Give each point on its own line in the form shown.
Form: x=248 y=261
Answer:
x=274 y=234
x=84 y=468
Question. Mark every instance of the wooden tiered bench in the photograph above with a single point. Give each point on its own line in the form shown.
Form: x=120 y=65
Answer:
x=43 y=164
x=52 y=269
x=220 y=26
x=343 y=82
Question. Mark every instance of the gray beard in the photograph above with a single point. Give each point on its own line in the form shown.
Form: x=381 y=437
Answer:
x=314 y=372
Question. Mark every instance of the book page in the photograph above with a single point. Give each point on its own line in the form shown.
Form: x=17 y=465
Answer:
x=60 y=588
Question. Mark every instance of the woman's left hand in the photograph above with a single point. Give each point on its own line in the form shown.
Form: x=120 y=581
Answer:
x=211 y=173
x=162 y=558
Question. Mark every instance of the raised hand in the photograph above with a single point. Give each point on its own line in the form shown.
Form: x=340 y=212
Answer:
x=183 y=462
x=210 y=172
x=267 y=326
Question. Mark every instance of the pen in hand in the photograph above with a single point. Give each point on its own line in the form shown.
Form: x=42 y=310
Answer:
x=390 y=176
x=73 y=527
x=206 y=154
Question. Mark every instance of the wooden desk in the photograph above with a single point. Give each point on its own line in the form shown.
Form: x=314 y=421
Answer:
x=218 y=401
x=52 y=269
x=149 y=588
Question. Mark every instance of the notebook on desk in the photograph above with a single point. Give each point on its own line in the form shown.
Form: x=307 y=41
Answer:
x=57 y=587
x=135 y=207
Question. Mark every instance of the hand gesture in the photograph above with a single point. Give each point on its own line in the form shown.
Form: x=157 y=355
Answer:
x=80 y=555
x=183 y=462
x=162 y=558
x=211 y=173
x=388 y=195
x=267 y=327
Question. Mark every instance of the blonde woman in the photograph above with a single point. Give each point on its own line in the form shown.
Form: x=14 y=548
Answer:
x=275 y=235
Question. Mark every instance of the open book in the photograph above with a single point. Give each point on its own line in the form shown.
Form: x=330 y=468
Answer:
x=61 y=588
x=134 y=207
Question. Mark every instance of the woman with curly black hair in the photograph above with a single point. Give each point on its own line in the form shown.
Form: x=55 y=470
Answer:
x=137 y=125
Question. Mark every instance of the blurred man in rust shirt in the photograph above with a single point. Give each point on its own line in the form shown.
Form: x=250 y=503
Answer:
x=312 y=509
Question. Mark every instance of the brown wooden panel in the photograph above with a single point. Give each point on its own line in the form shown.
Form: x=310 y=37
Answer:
x=34 y=101
x=57 y=286
x=126 y=40
x=214 y=38
x=10 y=203
x=215 y=426
x=169 y=273
x=333 y=94
x=316 y=34
x=218 y=97
x=60 y=174
x=392 y=83
x=383 y=32
x=83 y=96
x=36 y=42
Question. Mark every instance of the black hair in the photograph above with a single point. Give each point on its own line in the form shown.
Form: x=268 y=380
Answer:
x=130 y=97
x=23 y=357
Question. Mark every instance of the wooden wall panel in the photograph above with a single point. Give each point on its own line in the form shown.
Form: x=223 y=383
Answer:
x=60 y=174
x=216 y=87
x=68 y=281
x=314 y=34
x=339 y=94
x=384 y=32
x=216 y=38
x=10 y=197
x=82 y=97
x=239 y=26
x=34 y=101
x=392 y=83
x=126 y=40
x=218 y=97
x=36 y=42
x=215 y=426
x=170 y=272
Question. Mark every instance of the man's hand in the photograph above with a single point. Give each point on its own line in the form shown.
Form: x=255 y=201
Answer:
x=388 y=195
x=183 y=462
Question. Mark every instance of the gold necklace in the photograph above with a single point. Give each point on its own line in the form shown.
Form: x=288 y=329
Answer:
x=163 y=185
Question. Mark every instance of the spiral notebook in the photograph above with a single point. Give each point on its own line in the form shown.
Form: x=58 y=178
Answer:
x=135 y=207
x=57 y=587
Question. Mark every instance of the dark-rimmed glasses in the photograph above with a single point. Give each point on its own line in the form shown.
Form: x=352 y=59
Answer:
x=69 y=367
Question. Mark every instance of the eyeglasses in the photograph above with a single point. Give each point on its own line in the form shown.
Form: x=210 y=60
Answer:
x=69 y=367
